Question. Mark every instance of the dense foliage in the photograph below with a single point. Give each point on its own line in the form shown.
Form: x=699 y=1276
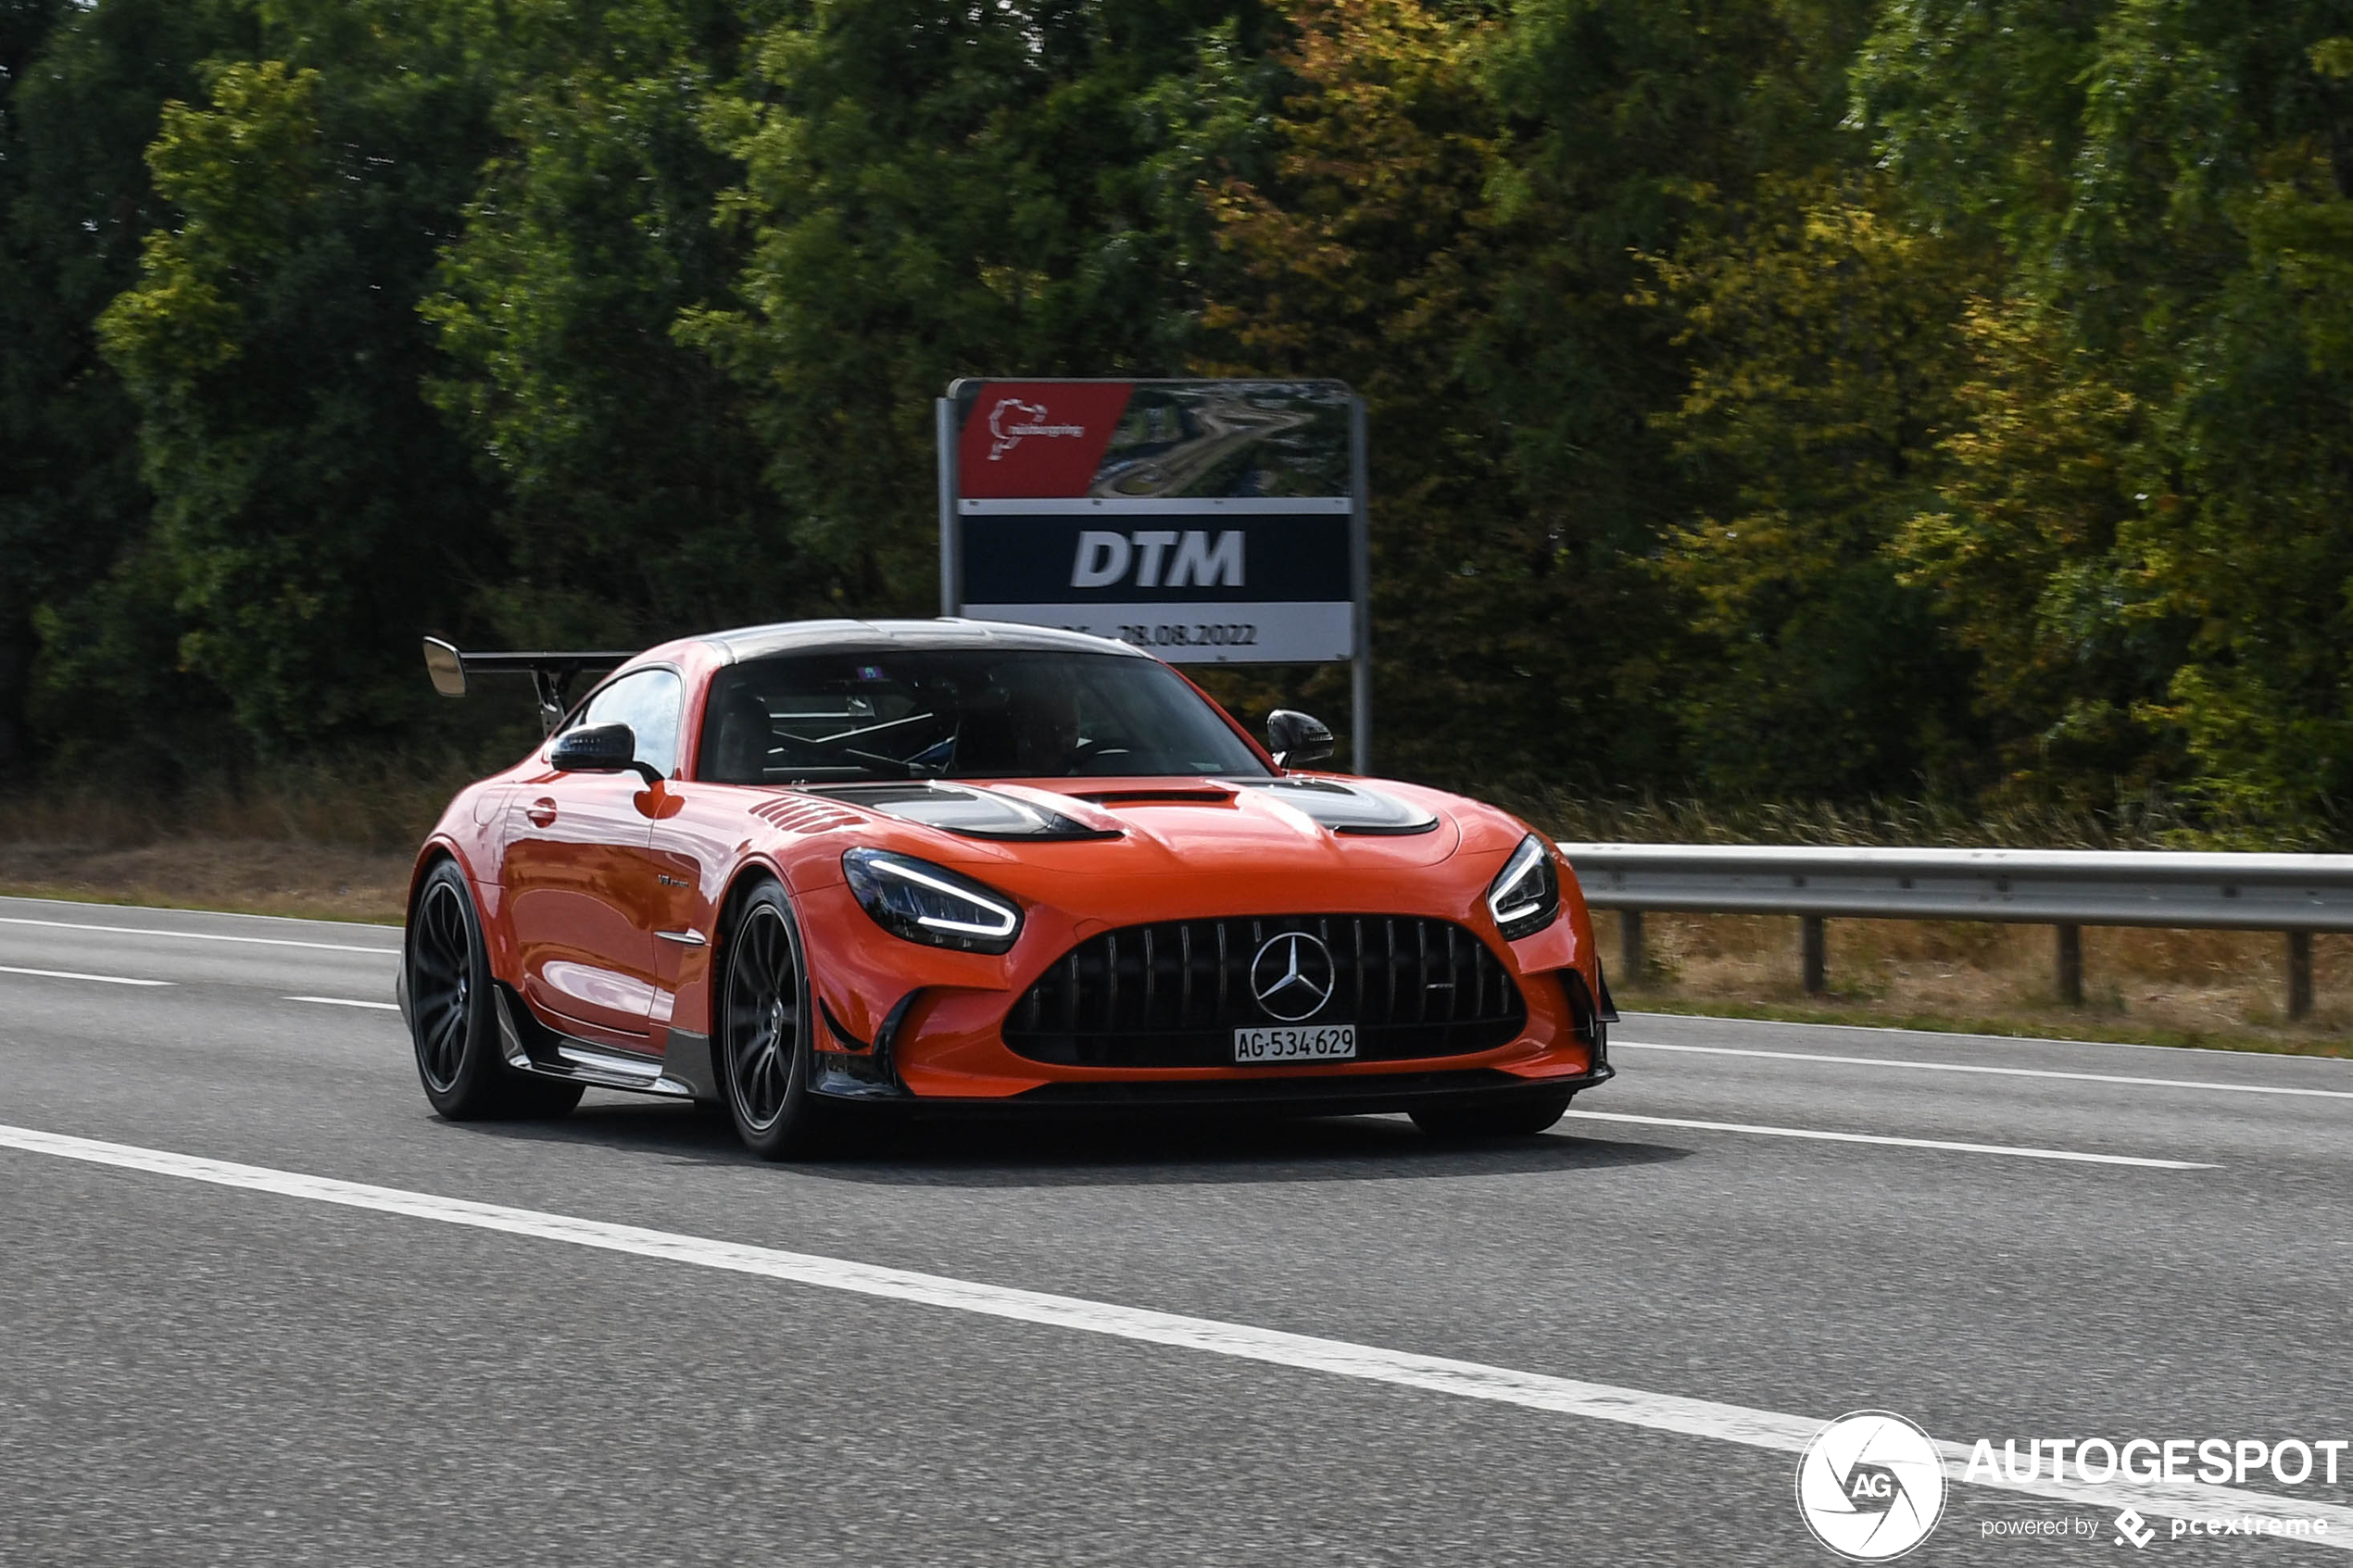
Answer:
x=1772 y=399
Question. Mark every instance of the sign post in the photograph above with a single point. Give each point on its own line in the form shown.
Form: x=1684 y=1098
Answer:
x=1207 y=522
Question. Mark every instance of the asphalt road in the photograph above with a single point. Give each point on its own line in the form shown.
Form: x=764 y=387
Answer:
x=194 y=1371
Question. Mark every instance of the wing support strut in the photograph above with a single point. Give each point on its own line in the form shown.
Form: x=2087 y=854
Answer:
x=551 y=674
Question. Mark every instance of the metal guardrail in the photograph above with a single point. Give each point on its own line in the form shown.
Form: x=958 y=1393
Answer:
x=2070 y=889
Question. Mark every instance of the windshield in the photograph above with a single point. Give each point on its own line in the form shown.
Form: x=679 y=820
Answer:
x=961 y=714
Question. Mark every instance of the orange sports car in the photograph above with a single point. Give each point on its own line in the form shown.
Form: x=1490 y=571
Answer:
x=826 y=872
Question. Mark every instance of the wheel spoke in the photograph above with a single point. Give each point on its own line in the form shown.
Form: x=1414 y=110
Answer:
x=448 y=1042
x=433 y=1017
x=772 y=1087
x=450 y=928
x=764 y=946
x=758 y=972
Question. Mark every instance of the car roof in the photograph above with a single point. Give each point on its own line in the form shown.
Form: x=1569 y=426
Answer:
x=941 y=633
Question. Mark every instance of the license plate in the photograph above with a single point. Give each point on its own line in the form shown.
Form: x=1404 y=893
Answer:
x=1321 y=1042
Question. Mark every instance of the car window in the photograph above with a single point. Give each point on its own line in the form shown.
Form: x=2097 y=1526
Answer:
x=647 y=702
x=961 y=714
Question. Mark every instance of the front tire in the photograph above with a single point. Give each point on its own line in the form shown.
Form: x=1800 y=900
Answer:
x=452 y=1017
x=765 y=1036
x=1509 y=1119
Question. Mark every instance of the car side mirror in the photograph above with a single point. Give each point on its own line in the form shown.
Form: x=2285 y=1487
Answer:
x=600 y=748
x=1297 y=738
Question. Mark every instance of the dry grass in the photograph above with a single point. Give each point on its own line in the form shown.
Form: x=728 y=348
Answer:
x=384 y=804
x=2214 y=988
x=254 y=876
x=321 y=839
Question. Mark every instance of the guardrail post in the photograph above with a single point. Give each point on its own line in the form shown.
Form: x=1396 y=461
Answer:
x=1631 y=957
x=2070 y=965
x=1811 y=938
x=2299 y=975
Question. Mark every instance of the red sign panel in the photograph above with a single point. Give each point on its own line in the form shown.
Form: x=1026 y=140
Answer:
x=1038 y=438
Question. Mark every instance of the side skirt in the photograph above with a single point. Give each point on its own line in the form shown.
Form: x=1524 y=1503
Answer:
x=532 y=1047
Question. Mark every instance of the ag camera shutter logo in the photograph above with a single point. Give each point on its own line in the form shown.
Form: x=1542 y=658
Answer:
x=1870 y=1486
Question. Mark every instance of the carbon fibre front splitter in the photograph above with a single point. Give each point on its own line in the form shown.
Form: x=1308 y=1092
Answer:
x=1354 y=1096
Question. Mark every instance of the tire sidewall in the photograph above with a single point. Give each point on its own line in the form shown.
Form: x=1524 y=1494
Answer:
x=795 y=1131
x=481 y=1075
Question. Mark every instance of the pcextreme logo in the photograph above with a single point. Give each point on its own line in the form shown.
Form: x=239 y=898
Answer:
x=1870 y=1486
x=1012 y=419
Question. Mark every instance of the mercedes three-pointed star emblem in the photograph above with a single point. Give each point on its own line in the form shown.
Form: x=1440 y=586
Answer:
x=1292 y=976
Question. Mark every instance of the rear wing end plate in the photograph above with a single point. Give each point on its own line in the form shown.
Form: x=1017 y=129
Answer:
x=551 y=674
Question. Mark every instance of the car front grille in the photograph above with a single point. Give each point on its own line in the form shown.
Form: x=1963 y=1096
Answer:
x=1172 y=994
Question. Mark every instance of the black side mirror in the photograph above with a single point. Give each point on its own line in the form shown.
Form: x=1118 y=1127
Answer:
x=1296 y=738
x=600 y=748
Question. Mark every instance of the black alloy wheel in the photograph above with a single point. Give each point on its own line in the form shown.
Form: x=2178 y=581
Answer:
x=452 y=1019
x=765 y=1029
x=1520 y=1117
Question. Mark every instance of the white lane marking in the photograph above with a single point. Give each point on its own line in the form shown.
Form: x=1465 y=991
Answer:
x=1964 y=1035
x=2001 y=1071
x=75 y=974
x=200 y=935
x=1439 y=1375
x=2020 y=1152
x=348 y=1002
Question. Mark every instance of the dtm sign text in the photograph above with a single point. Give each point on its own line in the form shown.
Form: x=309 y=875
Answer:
x=1193 y=558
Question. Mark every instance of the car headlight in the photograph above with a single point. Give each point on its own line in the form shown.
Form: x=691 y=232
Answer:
x=1526 y=894
x=927 y=903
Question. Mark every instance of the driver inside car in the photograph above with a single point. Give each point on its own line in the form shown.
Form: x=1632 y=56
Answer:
x=1045 y=728
x=1019 y=729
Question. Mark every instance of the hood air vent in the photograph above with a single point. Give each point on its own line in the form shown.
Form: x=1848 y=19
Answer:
x=973 y=813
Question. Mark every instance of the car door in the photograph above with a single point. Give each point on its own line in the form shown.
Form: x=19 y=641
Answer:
x=582 y=890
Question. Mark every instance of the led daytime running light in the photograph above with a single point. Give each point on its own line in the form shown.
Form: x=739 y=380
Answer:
x=1006 y=919
x=1515 y=874
x=920 y=902
x=1525 y=896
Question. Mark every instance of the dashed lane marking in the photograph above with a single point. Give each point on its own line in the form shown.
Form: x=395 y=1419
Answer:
x=76 y=975
x=1998 y=1072
x=2012 y=1149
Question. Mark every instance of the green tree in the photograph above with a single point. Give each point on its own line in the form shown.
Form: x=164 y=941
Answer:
x=1452 y=213
x=933 y=190
x=313 y=512
x=2020 y=547
x=2173 y=183
x=1357 y=238
x=1826 y=351
x=636 y=504
x=81 y=89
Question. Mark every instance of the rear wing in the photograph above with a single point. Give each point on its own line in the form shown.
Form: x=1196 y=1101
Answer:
x=551 y=674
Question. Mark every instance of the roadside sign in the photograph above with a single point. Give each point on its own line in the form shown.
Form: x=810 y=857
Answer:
x=1208 y=521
